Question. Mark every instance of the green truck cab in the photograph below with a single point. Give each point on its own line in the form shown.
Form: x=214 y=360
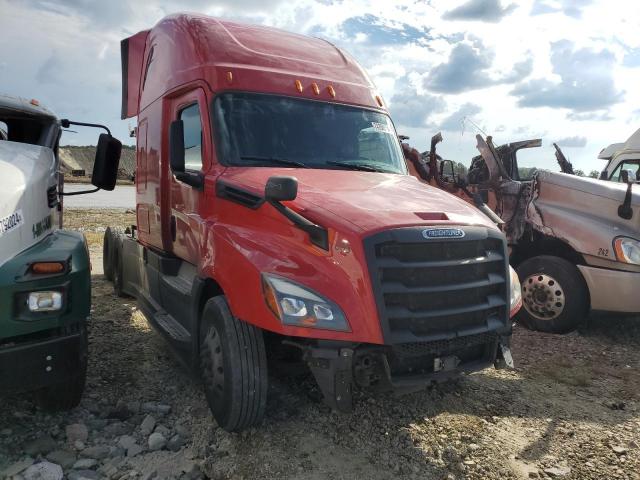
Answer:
x=45 y=272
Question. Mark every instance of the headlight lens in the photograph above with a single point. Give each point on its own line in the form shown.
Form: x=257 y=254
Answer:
x=296 y=305
x=44 y=301
x=627 y=250
x=516 y=293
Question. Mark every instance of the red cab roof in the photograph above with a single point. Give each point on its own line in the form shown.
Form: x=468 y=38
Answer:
x=227 y=55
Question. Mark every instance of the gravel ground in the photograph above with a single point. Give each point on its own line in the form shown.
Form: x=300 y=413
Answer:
x=570 y=409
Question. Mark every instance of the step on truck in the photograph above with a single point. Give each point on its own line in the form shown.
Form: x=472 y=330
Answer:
x=276 y=219
x=45 y=277
x=574 y=241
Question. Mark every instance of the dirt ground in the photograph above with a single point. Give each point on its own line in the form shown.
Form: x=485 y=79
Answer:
x=570 y=409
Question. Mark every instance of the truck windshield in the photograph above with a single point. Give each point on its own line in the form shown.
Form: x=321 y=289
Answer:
x=267 y=130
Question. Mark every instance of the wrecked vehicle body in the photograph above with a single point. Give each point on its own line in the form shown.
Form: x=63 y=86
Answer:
x=573 y=240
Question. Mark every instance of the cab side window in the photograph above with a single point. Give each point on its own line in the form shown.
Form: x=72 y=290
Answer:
x=190 y=117
x=632 y=165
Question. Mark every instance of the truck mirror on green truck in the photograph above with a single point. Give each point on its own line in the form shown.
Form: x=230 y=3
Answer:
x=45 y=279
x=306 y=235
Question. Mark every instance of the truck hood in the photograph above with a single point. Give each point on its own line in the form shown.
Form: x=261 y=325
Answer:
x=363 y=201
x=26 y=172
x=586 y=186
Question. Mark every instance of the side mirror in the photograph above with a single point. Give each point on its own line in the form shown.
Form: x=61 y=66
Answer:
x=105 y=165
x=625 y=175
x=281 y=189
x=603 y=175
x=176 y=146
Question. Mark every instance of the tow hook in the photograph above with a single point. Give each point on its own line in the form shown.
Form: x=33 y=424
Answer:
x=504 y=359
x=333 y=373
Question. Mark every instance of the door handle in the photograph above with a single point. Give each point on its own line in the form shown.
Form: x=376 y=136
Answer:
x=173 y=228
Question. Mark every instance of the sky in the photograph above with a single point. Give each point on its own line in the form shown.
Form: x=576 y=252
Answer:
x=561 y=70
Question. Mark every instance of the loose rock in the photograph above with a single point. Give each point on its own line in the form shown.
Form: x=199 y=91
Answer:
x=126 y=442
x=83 y=475
x=77 y=432
x=16 y=468
x=63 y=458
x=41 y=446
x=157 y=441
x=560 y=471
x=43 y=471
x=147 y=426
x=99 y=451
x=85 y=464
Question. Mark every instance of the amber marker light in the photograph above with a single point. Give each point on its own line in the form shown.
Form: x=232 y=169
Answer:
x=299 y=86
x=379 y=100
x=315 y=88
x=229 y=77
x=47 y=267
x=332 y=91
x=270 y=297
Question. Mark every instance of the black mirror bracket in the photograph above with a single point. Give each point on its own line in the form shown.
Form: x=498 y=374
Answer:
x=279 y=189
x=625 y=211
x=317 y=234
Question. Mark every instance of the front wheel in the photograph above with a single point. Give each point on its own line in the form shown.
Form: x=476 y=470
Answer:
x=554 y=295
x=233 y=364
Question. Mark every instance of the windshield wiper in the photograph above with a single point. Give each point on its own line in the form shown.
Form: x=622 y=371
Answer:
x=280 y=161
x=364 y=167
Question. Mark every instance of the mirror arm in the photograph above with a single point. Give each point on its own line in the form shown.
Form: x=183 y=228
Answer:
x=68 y=194
x=65 y=122
x=625 y=211
x=318 y=235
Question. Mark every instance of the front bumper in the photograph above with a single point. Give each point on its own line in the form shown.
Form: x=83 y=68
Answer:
x=16 y=282
x=612 y=290
x=340 y=367
x=36 y=364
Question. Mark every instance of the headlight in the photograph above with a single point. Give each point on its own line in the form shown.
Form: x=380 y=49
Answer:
x=516 y=293
x=627 y=250
x=44 y=301
x=296 y=305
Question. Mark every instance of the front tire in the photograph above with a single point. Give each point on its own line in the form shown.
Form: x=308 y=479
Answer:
x=554 y=293
x=233 y=365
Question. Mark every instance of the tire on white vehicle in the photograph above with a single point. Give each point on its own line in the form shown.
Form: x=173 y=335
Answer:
x=554 y=295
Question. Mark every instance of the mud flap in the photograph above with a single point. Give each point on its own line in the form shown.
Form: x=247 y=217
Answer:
x=504 y=360
x=335 y=378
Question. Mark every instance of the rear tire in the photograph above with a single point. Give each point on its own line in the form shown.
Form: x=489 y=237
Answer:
x=107 y=254
x=118 y=269
x=554 y=293
x=233 y=365
x=67 y=394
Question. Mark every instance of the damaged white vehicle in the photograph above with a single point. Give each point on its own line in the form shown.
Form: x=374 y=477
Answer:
x=574 y=241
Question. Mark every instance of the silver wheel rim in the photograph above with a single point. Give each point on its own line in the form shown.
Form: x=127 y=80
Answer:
x=543 y=296
x=212 y=364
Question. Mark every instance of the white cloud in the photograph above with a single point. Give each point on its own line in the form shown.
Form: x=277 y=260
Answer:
x=67 y=54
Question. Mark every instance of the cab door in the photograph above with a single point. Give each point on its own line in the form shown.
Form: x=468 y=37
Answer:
x=185 y=219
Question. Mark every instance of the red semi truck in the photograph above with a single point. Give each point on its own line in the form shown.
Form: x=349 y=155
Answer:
x=275 y=211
